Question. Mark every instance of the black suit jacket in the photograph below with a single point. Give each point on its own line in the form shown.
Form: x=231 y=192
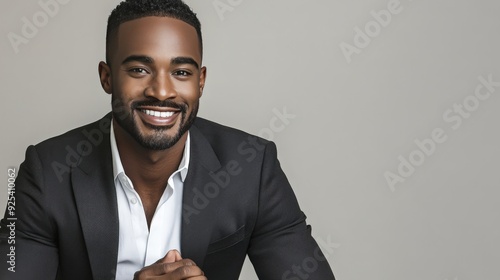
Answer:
x=236 y=201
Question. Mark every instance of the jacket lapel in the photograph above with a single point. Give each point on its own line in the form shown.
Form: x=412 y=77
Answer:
x=95 y=197
x=197 y=212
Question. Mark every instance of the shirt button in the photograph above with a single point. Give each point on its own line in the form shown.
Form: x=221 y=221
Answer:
x=133 y=200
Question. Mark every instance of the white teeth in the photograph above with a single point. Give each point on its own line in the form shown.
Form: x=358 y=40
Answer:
x=158 y=114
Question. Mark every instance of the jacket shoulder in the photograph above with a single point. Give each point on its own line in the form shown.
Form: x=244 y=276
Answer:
x=220 y=134
x=83 y=137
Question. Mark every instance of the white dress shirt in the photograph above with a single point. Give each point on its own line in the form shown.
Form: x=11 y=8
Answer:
x=139 y=247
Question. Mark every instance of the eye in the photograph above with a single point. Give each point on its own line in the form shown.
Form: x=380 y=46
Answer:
x=138 y=71
x=182 y=73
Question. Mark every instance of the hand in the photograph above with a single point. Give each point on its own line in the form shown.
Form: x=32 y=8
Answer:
x=171 y=267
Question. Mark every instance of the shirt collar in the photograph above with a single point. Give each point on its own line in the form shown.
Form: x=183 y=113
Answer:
x=117 y=163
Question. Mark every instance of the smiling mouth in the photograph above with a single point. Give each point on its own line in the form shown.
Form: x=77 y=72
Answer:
x=158 y=114
x=156 y=117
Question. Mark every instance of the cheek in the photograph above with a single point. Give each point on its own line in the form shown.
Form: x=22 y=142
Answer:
x=129 y=88
x=190 y=92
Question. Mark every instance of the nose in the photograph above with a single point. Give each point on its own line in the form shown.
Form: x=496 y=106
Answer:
x=161 y=87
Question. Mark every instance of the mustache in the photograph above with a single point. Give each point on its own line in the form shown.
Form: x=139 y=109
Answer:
x=157 y=103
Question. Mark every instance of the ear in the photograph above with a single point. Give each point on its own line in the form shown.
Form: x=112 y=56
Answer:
x=105 y=77
x=203 y=77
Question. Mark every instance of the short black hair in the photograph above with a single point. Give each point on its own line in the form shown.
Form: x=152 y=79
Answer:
x=134 y=9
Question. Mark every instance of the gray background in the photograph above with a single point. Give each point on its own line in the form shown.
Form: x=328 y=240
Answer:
x=353 y=120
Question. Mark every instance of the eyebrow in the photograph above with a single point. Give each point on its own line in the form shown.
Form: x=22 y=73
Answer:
x=149 y=60
x=184 y=60
x=140 y=58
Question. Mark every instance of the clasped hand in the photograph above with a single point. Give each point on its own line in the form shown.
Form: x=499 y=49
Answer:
x=171 y=267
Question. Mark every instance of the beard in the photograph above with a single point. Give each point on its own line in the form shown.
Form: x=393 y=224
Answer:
x=158 y=140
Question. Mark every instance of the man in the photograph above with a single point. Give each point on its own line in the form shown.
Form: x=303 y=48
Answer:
x=150 y=191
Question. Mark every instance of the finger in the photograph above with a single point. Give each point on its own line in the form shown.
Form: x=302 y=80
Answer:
x=191 y=272
x=164 y=268
x=170 y=257
x=177 y=256
x=159 y=269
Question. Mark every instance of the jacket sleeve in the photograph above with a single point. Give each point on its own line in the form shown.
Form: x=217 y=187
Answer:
x=32 y=248
x=281 y=246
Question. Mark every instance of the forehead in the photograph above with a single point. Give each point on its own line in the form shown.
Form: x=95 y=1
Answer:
x=157 y=37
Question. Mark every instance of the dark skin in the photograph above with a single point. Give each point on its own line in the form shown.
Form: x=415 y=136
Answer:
x=171 y=267
x=155 y=59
